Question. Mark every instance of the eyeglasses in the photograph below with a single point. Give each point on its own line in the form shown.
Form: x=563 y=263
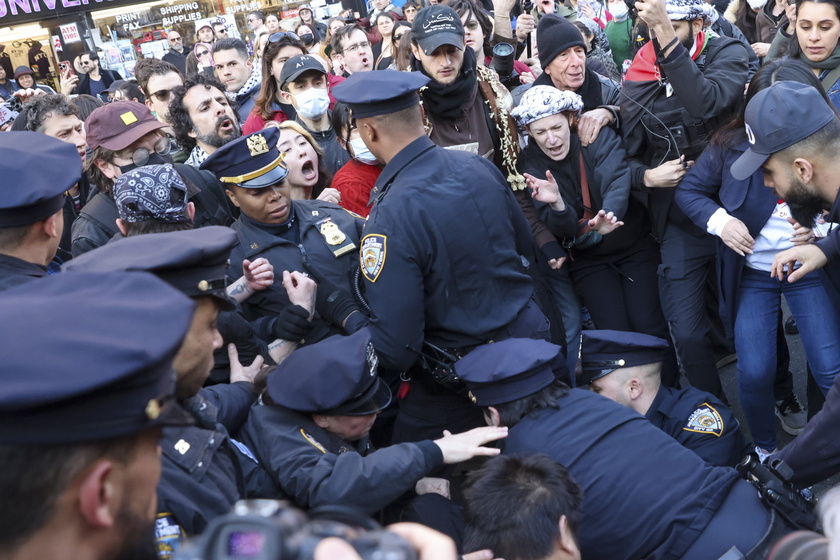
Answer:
x=140 y=157
x=223 y=30
x=162 y=95
x=409 y=11
x=274 y=37
x=357 y=46
x=84 y=63
x=174 y=39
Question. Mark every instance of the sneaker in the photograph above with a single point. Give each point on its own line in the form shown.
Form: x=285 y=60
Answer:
x=790 y=326
x=792 y=415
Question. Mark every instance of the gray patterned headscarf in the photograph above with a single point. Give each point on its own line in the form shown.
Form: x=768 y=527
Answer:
x=544 y=101
x=685 y=10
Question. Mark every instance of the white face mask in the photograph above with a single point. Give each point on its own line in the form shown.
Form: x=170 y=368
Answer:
x=313 y=102
x=756 y=4
x=362 y=153
x=618 y=11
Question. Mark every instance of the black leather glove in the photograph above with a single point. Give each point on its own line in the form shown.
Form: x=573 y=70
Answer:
x=292 y=323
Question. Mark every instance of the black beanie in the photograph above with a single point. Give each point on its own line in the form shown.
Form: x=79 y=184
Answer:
x=555 y=34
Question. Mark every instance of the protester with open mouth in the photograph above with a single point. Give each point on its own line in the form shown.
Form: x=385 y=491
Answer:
x=308 y=177
x=353 y=47
x=202 y=117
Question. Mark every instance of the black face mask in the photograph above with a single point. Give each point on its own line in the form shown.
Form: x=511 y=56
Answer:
x=308 y=39
x=154 y=159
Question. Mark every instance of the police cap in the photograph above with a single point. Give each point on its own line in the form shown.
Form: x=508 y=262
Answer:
x=151 y=192
x=508 y=370
x=335 y=377
x=88 y=357
x=369 y=94
x=36 y=170
x=252 y=161
x=603 y=352
x=193 y=261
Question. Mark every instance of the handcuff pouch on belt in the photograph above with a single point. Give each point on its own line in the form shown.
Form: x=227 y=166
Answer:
x=439 y=363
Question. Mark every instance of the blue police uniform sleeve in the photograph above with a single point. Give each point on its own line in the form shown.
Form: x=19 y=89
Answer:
x=394 y=287
x=232 y=402
x=709 y=428
x=312 y=476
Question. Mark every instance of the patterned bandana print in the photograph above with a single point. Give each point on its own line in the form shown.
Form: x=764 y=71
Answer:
x=254 y=79
x=544 y=101
x=152 y=192
x=685 y=10
x=197 y=157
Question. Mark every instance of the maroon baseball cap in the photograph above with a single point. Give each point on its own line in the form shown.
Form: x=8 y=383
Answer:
x=117 y=125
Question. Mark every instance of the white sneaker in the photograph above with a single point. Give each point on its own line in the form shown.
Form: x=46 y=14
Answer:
x=792 y=415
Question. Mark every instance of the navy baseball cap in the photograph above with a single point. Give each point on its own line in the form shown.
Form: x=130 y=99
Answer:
x=36 y=170
x=297 y=65
x=335 y=377
x=107 y=373
x=508 y=370
x=778 y=117
x=252 y=161
x=369 y=94
x=193 y=261
x=437 y=25
x=151 y=192
x=603 y=352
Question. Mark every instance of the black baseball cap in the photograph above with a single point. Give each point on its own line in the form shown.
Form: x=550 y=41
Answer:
x=437 y=25
x=297 y=65
x=778 y=117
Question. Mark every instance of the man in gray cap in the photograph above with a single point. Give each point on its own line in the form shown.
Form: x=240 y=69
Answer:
x=794 y=138
x=79 y=425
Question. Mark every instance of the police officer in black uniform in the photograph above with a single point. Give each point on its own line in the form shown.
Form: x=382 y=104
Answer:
x=311 y=431
x=626 y=367
x=204 y=471
x=311 y=236
x=441 y=253
x=646 y=496
x=36 y=171
x=87 y=383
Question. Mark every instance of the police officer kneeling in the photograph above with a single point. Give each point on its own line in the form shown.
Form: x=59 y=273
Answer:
x=626 y=368
x=646 y=496
x=311 y=431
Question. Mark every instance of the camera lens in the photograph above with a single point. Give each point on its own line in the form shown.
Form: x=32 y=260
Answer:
x=801 y=545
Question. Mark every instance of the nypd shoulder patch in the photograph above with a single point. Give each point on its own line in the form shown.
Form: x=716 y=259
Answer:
x=312 y=441
x=372 y=255
x=705 y=420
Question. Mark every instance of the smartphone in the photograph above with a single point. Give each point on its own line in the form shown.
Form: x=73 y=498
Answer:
x=65 y=67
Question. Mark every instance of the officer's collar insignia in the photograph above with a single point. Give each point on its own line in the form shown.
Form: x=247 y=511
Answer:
x=472 y=397
x=312 y=441
x=257 y=145
x=372 y=255
x=705 y=420
x=153 y=409
x=182 y=446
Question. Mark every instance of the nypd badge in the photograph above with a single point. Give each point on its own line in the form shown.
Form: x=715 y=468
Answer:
x=257 y=145
x=372 y=255
x=705 y=420
x=331 y=233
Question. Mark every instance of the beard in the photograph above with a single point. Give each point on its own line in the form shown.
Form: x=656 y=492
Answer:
x=218 y=139
x=804 y=205
x=688 y=43
x=139 y=537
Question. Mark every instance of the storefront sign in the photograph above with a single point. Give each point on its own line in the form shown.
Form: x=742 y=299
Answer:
x=19 y=11
x=70 y=33
x=239 y=6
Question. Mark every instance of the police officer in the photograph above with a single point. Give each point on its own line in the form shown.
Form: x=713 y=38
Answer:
x=440 y=255
x=36 y=171
x=626 y=368
x=646 y=495
x=311 y=236
x=204 y=471
x=86 y=384
x=311 y=431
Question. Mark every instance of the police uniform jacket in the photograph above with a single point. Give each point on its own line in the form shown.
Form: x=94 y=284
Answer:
x=330 y=265
x=646 y=495
x=314 y=467
x=696 y=98
x=96 y=224
x=700 y=422
x=203 y=473
x=441 y=253
x=15 y=271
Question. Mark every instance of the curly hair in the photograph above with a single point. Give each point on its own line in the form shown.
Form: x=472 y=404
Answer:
x=270 y=90
x=40 y=108
x=179 y=115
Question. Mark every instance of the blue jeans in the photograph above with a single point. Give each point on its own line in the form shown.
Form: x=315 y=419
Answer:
x=756 y=321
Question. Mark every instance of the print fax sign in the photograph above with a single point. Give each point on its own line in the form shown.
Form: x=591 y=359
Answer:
x=18 y=11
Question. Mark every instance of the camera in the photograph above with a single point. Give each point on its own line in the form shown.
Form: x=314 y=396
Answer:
x=502 y=63
x=801 y=545
x=275 y=530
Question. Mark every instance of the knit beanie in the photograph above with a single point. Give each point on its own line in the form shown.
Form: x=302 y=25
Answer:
x=555 y=34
